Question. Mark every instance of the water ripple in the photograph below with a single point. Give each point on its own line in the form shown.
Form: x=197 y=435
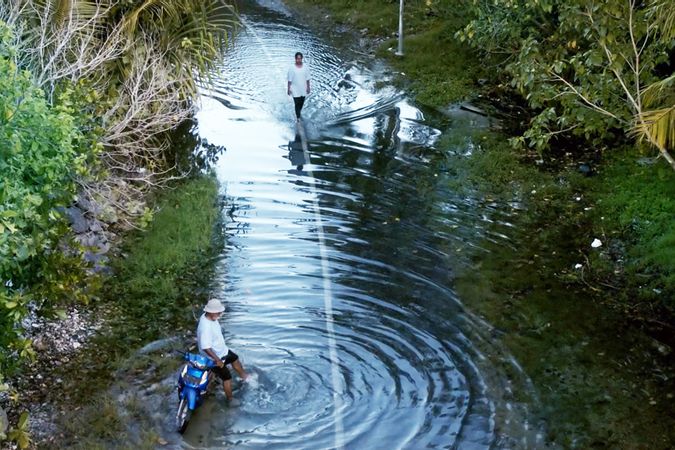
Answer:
x=417 y=369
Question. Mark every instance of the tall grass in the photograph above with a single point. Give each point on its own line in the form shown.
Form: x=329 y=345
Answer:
x=159 y=275
x=163 y=272
x=636 y=205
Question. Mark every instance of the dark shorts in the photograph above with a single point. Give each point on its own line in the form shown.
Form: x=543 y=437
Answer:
x=223 y=372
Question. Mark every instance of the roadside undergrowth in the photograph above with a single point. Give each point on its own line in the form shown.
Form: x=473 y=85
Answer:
x=602 y=381
x=160 y=275
x=635 y=206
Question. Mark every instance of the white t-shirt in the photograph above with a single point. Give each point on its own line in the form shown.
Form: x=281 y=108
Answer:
x=298 y=77
x=210 y=335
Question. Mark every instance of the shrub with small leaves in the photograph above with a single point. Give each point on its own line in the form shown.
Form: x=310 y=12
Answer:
x=40 y=156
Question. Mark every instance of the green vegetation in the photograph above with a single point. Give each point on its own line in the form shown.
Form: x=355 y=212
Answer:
x=585 y=68
x=635 y=205
x=598 y=380
x=90 y=117
x=492 y=167
x=437 y=68
x=101 y=424
x=162 y=275
x=628 y=205
x=155 y=282
x=496 y=172
x=39 y=160
x=90 y=92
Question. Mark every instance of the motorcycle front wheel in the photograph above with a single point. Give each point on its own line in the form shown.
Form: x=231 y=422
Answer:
x=183 y=415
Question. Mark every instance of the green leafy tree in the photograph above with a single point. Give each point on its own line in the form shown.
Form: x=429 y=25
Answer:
x=584 y=65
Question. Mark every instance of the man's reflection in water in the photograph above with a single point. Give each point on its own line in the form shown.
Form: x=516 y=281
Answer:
x=295 y=153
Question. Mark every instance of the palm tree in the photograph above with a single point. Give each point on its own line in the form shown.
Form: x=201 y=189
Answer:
x=71 y=38
x=142 y=59
x=189 y=34
x=655 y=121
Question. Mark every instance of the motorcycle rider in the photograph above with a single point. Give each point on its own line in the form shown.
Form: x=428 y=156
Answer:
x=211 y=343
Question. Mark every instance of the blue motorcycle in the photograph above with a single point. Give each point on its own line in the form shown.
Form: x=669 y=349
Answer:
x=192 y=383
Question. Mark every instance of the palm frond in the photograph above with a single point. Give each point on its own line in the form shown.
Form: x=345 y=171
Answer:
x=663 y=14
x=659 y=93
x=60 y=12
x=658 y=126
x=159 y=13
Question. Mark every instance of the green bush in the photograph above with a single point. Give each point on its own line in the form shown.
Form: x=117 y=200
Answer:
x=38 y=161
x=575 y=62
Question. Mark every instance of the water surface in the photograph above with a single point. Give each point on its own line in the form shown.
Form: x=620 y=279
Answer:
x=338 y=275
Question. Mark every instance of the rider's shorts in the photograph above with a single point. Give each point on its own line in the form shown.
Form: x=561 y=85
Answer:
x=223 y=372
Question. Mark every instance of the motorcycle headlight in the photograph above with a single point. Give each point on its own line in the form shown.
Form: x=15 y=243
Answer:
x=198 y=365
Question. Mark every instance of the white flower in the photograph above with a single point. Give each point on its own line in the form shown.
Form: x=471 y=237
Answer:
x=596 y=243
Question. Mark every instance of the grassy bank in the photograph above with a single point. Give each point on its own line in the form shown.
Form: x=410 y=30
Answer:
x=159 y=276
x=635 y=207
x=163 y=270
x=600 y=380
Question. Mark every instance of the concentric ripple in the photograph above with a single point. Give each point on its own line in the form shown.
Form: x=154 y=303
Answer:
x=367 y=227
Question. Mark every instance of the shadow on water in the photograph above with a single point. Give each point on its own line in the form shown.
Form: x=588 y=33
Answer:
x=365 y=221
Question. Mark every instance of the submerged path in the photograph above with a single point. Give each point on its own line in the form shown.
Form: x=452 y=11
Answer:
x=337 y=272
x=353 y=273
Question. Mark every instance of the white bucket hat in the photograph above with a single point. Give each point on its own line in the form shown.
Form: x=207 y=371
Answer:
x=214 y=306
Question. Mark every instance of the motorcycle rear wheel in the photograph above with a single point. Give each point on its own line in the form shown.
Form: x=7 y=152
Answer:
x=183 y=415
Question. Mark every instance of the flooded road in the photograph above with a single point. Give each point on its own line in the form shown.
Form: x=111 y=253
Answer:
x=339 y=261
x=363 y=293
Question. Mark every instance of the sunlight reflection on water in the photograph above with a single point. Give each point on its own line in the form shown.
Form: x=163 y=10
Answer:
x=411 y=359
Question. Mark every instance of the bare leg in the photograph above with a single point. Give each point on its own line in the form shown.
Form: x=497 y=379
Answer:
x=240 y=369
x=227 y=387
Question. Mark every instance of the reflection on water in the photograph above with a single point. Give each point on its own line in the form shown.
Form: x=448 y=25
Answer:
x=297 y=154
x=346 y=250
x=362 y=223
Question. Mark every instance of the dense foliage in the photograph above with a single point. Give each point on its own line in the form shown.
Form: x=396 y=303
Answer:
x=89 y=91
x=39 y=158
x=584 y=66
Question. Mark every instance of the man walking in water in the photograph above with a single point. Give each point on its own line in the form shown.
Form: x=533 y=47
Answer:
x=212 y=344
x=298 y=83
